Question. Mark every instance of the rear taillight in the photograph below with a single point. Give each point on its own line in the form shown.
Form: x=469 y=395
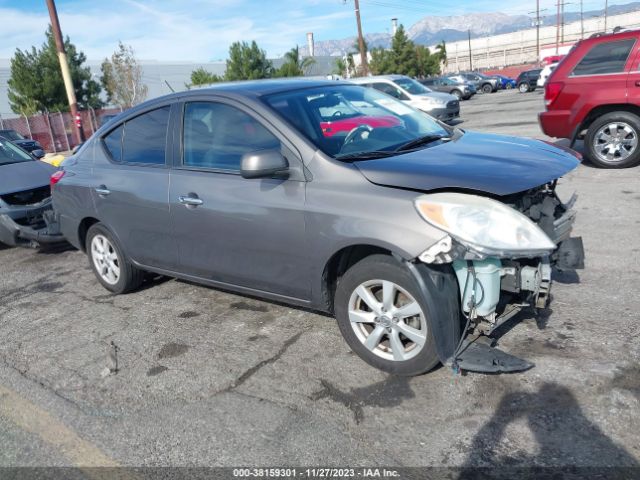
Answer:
x=551 y=92
x=56 y=177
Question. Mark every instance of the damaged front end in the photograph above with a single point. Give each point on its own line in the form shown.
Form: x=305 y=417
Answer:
x=502 y=251
x=27 y=218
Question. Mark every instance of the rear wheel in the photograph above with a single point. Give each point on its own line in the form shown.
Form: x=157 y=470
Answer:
x=457 y=94
x=523 y=87
x=487 y=88
x=108 y=262
x=612 y=140
x=381 y=314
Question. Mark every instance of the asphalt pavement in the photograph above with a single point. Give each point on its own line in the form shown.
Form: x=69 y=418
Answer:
x=209 y=378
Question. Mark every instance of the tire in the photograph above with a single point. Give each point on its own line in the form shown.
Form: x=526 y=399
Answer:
x=487 y=88
x=369 y=274
x=623 y=128
x=523 y=87
x=508 y=86
x=108 y=262
x=457 y=93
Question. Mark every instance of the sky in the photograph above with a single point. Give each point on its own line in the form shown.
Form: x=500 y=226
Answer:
x=202 y=30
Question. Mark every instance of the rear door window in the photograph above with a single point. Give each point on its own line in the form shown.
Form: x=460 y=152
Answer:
x=145 y=138
x=603 y=58
x=141 y=140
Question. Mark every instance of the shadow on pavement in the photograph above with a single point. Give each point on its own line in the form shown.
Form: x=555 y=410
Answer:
x=566 y=440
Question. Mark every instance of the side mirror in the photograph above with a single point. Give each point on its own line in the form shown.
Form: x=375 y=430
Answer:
x=265 y=163
x=38 y=153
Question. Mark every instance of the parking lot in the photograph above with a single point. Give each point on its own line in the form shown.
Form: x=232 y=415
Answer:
x=208 y=378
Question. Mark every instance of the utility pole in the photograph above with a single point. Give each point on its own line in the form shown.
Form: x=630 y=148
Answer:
x=606 y=7
x=64 y=67
x=537 y=12
x=581 y=21
x=558 y=27
x=363 y=54
x=470 y=58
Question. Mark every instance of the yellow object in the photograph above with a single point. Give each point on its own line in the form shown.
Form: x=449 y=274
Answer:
x=53 y=159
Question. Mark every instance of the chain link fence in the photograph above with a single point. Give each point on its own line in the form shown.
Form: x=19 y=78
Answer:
x=55 y=131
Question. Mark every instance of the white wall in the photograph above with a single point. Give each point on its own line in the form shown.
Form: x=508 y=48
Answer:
x=520 y=47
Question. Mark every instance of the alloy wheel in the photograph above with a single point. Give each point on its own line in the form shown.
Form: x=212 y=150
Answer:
x=615 y=142
x=387 y=320
x=105 y=259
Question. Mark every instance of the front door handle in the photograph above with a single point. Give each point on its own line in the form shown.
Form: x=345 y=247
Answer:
x=102 y=191
x=189 y=200
x=637 y=83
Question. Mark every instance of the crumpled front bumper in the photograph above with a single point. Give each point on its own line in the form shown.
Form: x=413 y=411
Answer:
x=30 y=226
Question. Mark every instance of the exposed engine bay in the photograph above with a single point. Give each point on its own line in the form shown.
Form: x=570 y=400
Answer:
x=494 y=288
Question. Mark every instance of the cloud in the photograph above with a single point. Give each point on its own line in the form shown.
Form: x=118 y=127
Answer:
x=165 y=30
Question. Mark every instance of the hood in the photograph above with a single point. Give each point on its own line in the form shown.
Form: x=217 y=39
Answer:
x=494 y=164
x=445 y=97
x=16 y=177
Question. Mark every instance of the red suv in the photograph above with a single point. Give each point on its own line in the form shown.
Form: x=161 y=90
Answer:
x=594 y=94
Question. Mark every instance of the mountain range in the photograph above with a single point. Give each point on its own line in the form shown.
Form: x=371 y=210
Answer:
x=431 y=30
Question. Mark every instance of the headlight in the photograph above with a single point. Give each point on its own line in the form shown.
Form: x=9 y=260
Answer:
x=434 y=101
x=486 y=226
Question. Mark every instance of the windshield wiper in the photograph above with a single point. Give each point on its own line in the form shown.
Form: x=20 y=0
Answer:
x=366 y=155
x=416 y=142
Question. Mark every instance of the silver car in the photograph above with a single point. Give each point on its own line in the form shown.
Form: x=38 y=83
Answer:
x=420 y=238
x=443 y=106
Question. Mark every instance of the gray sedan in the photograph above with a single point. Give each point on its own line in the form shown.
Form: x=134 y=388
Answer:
x=420 y=238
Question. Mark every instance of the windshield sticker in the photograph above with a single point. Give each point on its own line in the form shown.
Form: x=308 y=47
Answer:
x=395 y=107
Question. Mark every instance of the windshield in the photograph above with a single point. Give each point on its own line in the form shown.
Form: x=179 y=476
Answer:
x=343 y=120
x=10 y=135
x=411 y=86
x=9 y=153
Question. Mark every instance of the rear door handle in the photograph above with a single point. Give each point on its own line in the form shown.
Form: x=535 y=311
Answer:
x=637 y=83
x=102 y=190
x=190 y=201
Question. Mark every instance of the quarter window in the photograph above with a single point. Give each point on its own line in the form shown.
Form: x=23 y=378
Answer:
x=142 y=139
x=609 y=57
x=217 y=135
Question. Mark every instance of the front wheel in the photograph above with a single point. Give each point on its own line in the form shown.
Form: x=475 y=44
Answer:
x=109 y=263
x=457 y=94
x=523 y=87
x=612 y=140
x=508 y=86
x=381 y=314
x=487 y=88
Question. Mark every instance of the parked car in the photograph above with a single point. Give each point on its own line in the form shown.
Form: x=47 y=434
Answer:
x=26 y=216
x=593 y=95
x=460 y=90
x=442 y=106
x=544 y=74
x=506 y=83
x=484 y=83
x=27 y=144
x=413 y=235
x=527 y=81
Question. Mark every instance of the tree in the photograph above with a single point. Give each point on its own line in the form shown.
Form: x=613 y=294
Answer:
x=294 y=66
x=403 y=53
x=36 y=83
x=122 y=78
x=426 y=63
x=382 y=62
x=340 y=67
x=200 y=76
x=441 y=52
x=247 y=62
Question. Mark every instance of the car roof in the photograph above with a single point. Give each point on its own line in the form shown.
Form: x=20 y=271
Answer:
x=376 y=77
x=245 y=88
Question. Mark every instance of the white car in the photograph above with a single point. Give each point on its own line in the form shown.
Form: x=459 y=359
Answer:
x=544 y=74
x=443 y=106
